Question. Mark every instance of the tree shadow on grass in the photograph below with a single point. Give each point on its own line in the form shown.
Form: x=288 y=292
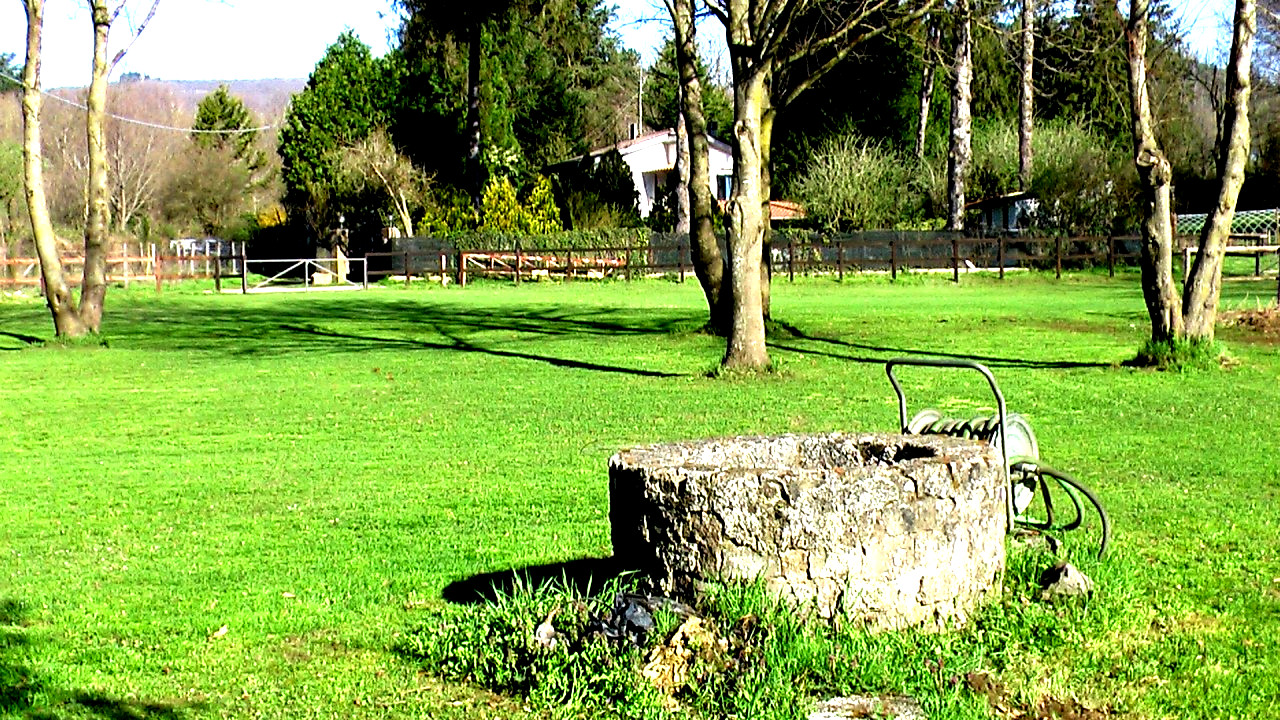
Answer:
x=998 y=362
x=585 y=576
x=460 y=345
x=25 y=339
x=347 y=326
x=24 y=693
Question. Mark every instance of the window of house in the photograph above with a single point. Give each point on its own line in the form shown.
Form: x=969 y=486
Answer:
x=724 y=187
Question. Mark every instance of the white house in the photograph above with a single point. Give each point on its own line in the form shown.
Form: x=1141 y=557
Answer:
x=652 y=157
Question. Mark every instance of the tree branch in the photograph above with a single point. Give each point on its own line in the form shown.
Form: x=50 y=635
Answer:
x=136 y=33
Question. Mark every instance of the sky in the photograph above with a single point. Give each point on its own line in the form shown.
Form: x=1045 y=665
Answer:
x=249 y=39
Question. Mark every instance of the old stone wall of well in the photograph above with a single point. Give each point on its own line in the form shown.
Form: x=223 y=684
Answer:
x=893 y=530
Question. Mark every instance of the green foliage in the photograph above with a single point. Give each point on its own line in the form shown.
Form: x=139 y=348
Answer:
x=553 y=78
x=346 y=97
x=502 y=212
x=854 y=183
x=500 y=209
x=12 y=199
x=9 y=70
x=661 y=94
x=259 y=429
x=1085 y=184
x=541 y=213
x=599 y=192
x=1180 y=355
x=494 y=645
x=222 y=121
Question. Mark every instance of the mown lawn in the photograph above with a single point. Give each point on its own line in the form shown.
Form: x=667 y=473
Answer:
x=240 y=506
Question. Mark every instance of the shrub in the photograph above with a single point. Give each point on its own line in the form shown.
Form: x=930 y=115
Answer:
x=853 y=183
x=1085 y=183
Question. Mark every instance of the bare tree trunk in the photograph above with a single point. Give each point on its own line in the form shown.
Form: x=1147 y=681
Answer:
x=682 y=169
x=66 y=323
x=1204 y=283
x=766 y=214
x=961 y=145
x=93 y=290
x=933 y=39
x=746 y=347
x=475 y=176
x=708 y=262
x=1155 y=176
x=1026 y=99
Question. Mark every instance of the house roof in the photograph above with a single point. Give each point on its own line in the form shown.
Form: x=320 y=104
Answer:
x=786 y=210
x=999 y=200
x=635 y=144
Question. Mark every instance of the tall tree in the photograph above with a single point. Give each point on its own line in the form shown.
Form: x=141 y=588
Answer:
x=346 y=97
x=1204 y=282
x=465 y=22
x=960 y=147
x=778 y=50
x=66 y=321
x=932 y=43
x=1194 y=319
x=708 y=262
x=1156 y=177
x=93 y=289
x=1026 y=95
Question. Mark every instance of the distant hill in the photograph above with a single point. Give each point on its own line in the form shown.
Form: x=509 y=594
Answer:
x=267 y=98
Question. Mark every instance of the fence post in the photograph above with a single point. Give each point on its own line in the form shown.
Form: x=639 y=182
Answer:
x=840 y=260
x=1111 y=256
x=627 y=259
x=244 y=271
x=791 y=259
x=125 y=262
x=1000 y=255
x=156 y=269
x=893 y=258
x=1186 y=263
x=1278 y=278
x=955 y=259
x=680 y=258
x=217 y=273
x=365 y=275
x=1057 y=257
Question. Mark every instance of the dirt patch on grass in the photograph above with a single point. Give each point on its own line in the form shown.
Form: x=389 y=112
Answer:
x=1264 y=321
x=1006 y=707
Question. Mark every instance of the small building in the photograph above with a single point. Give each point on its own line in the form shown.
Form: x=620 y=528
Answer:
x=1006 y=214
x=652 y=159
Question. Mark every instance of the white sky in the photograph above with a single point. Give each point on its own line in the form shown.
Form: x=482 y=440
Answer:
x=247 y=39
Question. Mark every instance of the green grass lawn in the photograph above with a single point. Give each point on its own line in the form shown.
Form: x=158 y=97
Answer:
x=241 y=506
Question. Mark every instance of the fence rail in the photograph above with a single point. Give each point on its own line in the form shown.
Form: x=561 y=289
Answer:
x=790 y=256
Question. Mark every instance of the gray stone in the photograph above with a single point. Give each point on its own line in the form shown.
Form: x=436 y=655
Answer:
x=889 y=707
x=1063 y=581
x=890 y=530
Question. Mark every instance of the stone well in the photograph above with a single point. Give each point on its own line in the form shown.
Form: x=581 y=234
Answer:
x=889 y=529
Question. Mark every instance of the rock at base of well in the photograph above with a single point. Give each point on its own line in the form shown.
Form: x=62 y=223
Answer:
x=891 y=530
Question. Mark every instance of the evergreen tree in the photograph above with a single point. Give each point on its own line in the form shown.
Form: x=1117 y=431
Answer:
x=10 y=74
x=661 y=95
x=222 y=122
x=347 y=95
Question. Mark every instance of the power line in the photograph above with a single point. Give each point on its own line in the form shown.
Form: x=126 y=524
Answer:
x=144 y=123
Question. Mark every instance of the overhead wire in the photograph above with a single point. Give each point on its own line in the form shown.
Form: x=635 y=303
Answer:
x=144 y=123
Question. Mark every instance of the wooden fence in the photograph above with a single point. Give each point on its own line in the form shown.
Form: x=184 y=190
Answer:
x=788 y=256
x=128 y=266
